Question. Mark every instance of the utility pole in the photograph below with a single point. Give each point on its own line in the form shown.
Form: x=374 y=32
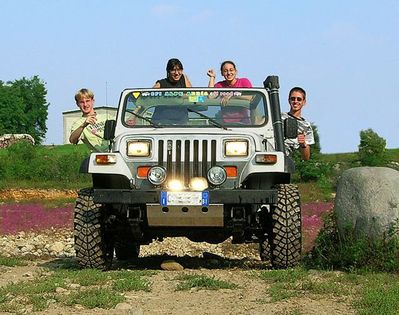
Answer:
x=106 y=93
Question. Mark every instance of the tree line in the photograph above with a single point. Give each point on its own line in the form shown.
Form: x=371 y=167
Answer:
x=24 y=108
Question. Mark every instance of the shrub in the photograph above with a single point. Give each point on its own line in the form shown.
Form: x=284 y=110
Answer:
x=41 y=164
x=332 y=251
x=312 y=170
x=18 y=160
x=372 y=151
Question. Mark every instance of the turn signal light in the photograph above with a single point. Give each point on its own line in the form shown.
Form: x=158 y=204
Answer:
x=142 y=171
x=266 y=158
x=105 y=159
x=231 y=171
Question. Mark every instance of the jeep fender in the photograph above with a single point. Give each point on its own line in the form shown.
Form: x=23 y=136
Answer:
x=120 y=167
x=281 y=166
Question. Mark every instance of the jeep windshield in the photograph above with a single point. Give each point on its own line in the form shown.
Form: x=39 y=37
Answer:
x=194 y=108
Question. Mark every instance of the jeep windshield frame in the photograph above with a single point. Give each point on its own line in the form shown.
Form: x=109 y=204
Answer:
x=171 y=108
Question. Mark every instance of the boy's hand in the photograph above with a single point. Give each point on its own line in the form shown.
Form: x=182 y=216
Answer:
x=301 y=140
x=90 y=120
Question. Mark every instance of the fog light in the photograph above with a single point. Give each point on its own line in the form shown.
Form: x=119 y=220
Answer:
x=198 y=184
x=175 y=185
x=156 y=175
x=217 y=175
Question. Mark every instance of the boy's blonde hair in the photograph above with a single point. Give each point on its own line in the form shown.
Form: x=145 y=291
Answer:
x=82 y=93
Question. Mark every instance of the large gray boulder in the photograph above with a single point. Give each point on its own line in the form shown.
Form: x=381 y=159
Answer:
x=368 y=200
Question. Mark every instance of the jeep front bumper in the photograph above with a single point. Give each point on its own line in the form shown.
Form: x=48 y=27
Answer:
x=235 y=196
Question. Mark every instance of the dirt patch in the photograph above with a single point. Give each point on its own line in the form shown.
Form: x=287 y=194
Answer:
x=251 y=295
x=35 y=194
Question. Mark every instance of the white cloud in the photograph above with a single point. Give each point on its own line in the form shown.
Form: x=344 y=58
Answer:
x=203 y=16
x=342 y=32
x=163 y=10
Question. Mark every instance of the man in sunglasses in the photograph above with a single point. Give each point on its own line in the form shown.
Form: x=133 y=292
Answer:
x=297 y=100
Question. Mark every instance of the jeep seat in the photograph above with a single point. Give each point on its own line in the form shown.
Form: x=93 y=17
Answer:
x=173 y=115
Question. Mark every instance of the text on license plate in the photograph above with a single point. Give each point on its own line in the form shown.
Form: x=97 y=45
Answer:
x=176 y=198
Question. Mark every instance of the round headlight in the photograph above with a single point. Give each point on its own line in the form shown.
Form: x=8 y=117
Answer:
x=217 y=175
x=156 y=175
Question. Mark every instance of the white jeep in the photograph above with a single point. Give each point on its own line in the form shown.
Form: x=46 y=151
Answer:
x=204 y=163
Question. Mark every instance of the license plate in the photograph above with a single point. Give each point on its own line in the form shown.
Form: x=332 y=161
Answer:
x=189 y=198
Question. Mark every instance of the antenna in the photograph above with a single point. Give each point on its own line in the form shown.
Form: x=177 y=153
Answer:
x=106 y=93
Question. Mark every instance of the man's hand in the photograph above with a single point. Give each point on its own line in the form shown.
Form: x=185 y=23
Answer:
x=90 y=120
x=75 y=135
x=301 y=140
x=305 y=149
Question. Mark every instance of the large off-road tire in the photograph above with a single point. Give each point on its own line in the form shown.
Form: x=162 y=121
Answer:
x=264 y=249
x=92 y=245
x=283 y=237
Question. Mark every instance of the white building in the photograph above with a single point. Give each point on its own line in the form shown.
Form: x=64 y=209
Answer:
x=70 y=116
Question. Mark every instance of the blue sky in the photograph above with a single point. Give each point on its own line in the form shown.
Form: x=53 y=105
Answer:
x=344 y=53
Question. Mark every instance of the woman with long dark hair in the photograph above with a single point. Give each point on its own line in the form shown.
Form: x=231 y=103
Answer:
x=175 y=78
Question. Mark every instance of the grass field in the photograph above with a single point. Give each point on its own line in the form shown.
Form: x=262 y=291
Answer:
x=328 y=273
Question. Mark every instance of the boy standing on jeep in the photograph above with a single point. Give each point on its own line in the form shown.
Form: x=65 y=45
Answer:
x=90 y=127
x=297 y=100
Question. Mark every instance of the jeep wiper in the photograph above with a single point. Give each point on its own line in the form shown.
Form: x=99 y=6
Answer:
x=213 y=121
x=144 y=118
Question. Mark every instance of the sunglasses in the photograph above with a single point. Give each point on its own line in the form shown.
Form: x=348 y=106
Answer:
x=293 y=99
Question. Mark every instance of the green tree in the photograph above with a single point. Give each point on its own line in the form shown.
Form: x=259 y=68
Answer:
x=23 y=107
x=12 y=114
x=372 y=149
x=314 y=168
x=316 y=147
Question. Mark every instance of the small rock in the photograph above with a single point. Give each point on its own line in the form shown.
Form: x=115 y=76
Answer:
x=58 y=247
x=171 y=265
x=123 y=306
x=60 y=290
x=74 y=286
x=27 y=275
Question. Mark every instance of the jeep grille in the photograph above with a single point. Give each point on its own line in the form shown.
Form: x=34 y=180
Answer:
x=184 y=159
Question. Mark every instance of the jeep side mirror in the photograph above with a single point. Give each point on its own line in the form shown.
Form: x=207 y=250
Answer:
x=290 y=128
x=109 y=129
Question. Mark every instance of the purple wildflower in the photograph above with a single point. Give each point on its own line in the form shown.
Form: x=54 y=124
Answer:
x=33 y=217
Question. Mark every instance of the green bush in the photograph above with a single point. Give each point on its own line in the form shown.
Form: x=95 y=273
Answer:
x=40 y=164
x=316 y=147
x=372 y=149
x=18 y=159
x=332 y=251
x=312 y=170
x=315 y=169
